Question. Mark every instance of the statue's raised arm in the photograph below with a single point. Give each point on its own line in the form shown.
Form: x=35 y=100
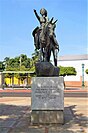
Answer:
x=36 y=14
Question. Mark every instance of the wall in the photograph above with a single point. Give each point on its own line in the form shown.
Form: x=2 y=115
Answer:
x=75 y=80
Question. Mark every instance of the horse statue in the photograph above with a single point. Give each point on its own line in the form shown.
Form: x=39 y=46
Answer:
x=46 y=41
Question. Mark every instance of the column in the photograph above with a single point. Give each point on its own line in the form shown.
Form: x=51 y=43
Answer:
x=82 y=74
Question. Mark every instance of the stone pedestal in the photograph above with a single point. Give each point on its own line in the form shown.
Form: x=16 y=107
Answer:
x=47 y=100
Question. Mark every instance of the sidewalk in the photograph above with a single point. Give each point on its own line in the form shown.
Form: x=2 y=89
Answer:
x=15 y=113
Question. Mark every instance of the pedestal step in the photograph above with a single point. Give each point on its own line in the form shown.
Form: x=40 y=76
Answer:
x=49 y=117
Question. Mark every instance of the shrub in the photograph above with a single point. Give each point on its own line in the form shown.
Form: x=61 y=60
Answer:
x=86 y=71
x=67 y=71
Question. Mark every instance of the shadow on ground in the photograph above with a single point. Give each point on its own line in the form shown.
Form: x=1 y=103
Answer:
x=17 y=119
x=80 y=119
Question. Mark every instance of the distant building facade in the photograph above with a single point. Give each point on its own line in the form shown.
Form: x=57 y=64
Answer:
x=80 y=63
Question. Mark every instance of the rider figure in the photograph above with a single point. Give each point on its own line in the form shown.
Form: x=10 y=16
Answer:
x=43 y=20
x=38 y=31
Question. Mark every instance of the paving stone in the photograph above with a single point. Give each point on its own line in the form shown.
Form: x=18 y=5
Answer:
x=7 y=123
x=10 y=122
x=23 y=122
x=83 y=119
x=28 y=130
x=64 y=131
x=67 y=111
x=4 y=130
x=68 y=118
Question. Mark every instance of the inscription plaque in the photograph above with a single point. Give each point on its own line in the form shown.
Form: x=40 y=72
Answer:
x=47 y=93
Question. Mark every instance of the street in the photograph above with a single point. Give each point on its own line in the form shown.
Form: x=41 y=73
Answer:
x=27 y=93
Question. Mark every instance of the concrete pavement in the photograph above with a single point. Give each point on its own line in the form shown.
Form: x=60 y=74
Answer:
x=15 y=113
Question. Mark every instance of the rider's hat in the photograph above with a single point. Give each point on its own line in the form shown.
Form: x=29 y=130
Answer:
x=43 y=12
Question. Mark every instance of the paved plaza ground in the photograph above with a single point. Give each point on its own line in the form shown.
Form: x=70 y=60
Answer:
x=15 y=114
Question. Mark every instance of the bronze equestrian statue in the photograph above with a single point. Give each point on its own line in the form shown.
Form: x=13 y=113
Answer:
x=45 y=38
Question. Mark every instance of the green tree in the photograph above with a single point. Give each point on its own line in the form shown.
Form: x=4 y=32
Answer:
x=86 y=71
x=17 y=62
x=25 y=61
x=2 y=66
x=14 y=64
x=21 y=63
x=62 y=71
x=34 y=59
x=6 y=61
x=35 y=55
x=67 y=71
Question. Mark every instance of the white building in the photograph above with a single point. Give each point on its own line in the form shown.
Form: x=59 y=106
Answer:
x=76 y=61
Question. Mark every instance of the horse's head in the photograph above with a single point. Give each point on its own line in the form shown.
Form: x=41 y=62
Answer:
x=51 y=27
x=47 y=33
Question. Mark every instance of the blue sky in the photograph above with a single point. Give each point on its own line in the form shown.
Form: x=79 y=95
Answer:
x=17 y=21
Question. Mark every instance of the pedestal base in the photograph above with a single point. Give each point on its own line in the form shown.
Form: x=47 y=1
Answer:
x=47 y=117
x=47 y=100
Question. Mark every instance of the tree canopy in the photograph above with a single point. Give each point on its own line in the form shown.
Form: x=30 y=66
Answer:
x=14 y=64
x=20 y=63
x=67 y=71
x=86 y=71
x=2 y=66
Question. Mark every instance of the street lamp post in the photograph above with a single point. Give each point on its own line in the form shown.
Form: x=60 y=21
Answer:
x=82 y=74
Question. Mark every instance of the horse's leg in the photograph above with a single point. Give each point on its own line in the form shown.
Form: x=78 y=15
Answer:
x=46 y=54
x=41 y=53
x=55 y=58
x=49 y=54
